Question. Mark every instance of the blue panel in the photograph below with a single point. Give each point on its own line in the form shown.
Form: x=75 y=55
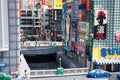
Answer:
x=82 y=7
x=67 y=48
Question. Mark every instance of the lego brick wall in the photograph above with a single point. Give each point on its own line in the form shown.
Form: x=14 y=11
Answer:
x=113 y=13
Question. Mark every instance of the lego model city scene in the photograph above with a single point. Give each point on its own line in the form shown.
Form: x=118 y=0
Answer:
x=59 y=39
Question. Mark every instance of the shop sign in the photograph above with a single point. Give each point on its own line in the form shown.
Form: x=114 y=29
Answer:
x=74 y=8
x=73 y=46
x=81 y=48
x=83 y=27
x=57 y=4
x=29 y=2
x=74 y=25
x=100 y=24
x=73 y=39
x=59 y=35
x=107 y=52
x=50 y=4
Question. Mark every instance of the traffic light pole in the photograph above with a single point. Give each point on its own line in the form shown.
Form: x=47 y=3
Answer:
x=60 y=62
x=60 y=69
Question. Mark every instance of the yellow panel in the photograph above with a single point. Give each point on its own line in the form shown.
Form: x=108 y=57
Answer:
x=97 y=53
x=58 y=4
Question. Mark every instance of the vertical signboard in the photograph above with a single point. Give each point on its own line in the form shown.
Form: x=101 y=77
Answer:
x=57 y=4
x=67 y=27
x=73 y=29
x=63 y=20
x=100 y=24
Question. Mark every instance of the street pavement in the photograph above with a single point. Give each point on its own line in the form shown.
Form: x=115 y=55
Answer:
x=82 y=77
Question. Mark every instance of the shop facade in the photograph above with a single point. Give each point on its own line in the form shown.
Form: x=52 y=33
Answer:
x=105 y=49
x=76 y=14
x=106 y=58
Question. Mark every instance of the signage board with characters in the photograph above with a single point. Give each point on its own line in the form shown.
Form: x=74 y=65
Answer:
x=100 y=24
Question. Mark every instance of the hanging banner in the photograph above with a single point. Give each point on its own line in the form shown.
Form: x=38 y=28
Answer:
x=100 y=24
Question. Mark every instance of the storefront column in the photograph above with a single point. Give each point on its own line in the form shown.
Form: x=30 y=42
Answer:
x=104 y=67
x=91 y=65
x=112 y=67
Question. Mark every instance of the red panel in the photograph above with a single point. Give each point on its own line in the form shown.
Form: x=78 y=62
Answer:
x=117 y=36
x=81 y=1
x=88 y=4
x=59 y=35
x=43 y=2
x=82 y=15
x=73 y=46
x=51 y=34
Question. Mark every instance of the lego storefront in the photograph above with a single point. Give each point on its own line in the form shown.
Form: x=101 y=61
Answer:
x=106 y=58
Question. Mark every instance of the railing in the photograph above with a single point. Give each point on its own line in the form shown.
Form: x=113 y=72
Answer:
x=40 y=43
x=40 y=50
x=52 y=72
